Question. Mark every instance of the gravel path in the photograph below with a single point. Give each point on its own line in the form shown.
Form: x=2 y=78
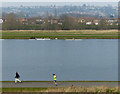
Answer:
x=60 y=84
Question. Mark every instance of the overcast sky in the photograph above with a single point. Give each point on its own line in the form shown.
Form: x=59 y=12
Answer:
x=59 y=0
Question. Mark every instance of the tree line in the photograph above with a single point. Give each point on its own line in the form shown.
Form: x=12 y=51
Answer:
x=11 y=22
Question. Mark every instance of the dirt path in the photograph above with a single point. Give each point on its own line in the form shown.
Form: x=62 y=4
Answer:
x=60 y=84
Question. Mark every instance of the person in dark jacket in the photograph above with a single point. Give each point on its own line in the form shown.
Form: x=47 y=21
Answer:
x=17 y=76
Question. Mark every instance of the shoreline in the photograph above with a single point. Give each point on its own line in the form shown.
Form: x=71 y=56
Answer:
x=64 y=37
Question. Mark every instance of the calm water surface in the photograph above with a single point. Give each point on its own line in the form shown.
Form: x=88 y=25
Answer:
x=88 y=59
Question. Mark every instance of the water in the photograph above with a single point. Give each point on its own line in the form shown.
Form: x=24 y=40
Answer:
x=89 y=59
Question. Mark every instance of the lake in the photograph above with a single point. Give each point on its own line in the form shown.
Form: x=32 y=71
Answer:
x=88 y=59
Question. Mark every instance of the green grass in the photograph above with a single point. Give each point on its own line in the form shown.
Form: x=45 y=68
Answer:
x=61 y=37
x=60 y=34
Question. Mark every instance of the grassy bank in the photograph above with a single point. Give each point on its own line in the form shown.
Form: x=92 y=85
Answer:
x=60 y=34
x=63 y=89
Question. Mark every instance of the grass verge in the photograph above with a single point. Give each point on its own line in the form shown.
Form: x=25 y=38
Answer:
x=60 y=34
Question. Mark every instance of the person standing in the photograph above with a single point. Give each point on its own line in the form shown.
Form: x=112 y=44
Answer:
x=55 y=79
x=17 y=76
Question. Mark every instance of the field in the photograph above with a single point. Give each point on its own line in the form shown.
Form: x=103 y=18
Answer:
x=63 y=89
x=60 y=34
x=63 y=86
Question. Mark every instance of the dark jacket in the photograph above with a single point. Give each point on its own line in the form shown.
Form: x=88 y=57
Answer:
x=17 y=75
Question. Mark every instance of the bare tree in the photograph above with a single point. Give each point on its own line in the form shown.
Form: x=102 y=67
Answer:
x=11 y=22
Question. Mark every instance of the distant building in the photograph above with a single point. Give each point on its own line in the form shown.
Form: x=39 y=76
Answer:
x=60 y=23
x=112 y=21
x=96 y=23
x=88 y=23
x=53 y=21
x=23 y=20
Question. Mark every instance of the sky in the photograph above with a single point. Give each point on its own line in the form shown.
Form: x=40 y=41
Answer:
x=59 y=0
